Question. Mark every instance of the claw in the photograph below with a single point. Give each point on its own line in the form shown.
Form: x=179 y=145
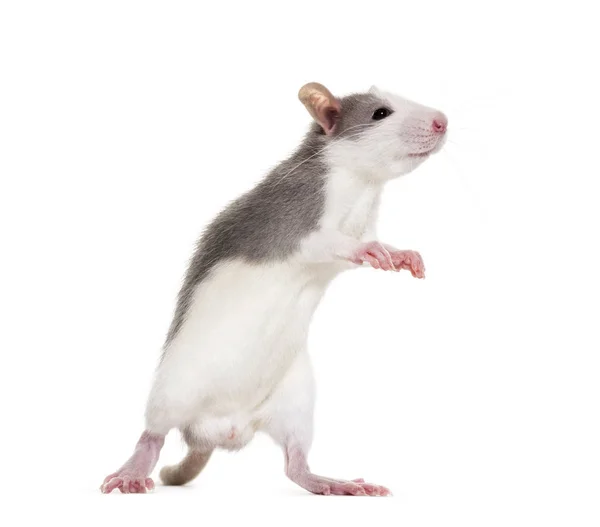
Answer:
x=411 y=261
x=127 y=484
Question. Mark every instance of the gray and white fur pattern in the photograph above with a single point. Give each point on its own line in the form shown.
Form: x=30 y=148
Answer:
x=235 y=359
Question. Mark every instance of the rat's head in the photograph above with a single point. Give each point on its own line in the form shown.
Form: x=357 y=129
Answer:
x=376 y=133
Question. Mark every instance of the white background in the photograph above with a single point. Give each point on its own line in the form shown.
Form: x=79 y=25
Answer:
x=474 y=395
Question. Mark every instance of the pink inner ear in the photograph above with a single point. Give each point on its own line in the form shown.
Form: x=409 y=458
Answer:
x=325 y=109
x=330 y=118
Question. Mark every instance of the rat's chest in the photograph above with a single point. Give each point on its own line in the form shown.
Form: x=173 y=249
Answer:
x=351 y=204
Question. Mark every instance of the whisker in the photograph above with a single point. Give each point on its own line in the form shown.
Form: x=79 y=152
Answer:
x=466 y=184
x=471 y=103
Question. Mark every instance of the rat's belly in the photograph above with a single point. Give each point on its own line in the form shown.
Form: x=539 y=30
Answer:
x=244 y=327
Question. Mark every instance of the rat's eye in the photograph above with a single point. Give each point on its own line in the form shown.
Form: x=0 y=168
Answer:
x=381 y=113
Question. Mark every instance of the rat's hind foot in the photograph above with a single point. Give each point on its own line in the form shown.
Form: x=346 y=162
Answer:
x=127 y=483
x=326 y=486
x=297 y=470
x=132 y=477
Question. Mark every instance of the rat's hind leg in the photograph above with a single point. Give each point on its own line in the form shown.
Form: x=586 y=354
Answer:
x=134 y=475
x=170 y=404
x=290 y=421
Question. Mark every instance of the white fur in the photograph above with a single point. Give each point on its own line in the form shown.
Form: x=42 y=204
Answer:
x=350 y=211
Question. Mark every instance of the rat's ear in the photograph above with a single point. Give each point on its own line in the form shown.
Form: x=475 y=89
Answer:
x=324 y=107
x=375 y=90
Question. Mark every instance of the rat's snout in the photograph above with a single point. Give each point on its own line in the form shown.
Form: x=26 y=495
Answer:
x=439 y=123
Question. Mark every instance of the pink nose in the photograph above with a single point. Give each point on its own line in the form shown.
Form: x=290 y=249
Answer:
x=440 y=123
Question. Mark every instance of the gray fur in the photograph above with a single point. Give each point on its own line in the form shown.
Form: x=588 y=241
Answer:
x=357 y=112
x=268 y=222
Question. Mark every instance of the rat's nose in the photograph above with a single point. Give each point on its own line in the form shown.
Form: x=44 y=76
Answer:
x=439 y=123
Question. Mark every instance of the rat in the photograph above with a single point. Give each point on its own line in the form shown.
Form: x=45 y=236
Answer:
x=235 y=358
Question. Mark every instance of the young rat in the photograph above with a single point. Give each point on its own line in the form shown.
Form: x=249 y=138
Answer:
x=235 y=359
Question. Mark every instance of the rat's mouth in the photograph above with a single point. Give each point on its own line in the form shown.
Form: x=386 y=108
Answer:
x=420 y=154
x=426 y=153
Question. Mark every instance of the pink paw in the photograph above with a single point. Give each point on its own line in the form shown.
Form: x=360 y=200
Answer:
x=127 y=483
x=356 y=487
x=372 y=490
x=410 y=260
x=375 y=254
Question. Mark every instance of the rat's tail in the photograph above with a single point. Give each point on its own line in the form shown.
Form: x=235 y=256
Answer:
x=189 y=467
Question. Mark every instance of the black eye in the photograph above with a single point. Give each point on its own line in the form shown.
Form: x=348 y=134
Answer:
x=381 y=113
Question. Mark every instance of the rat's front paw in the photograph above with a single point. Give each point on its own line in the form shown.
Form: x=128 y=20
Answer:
x=410 y=260
x=375 y=254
